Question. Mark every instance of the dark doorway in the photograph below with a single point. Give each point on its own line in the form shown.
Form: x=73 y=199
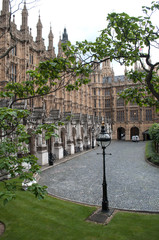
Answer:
x=74 y=135
x=146 y=135
x=50 y=154
x=121 y=133
x=134 y=132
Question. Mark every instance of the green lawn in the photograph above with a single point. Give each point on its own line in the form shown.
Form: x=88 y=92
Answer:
x=27 y=218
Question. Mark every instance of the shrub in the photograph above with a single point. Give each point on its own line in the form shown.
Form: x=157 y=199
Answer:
x=150 y=153
x=154 y=132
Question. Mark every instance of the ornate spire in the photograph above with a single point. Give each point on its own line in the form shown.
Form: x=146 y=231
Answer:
x=59 y=48
x=50 y=39
x=39 y=30
x=5 y=6
x=51 y=36
x=64 y=36
x=5 y=13
x=50 y=47
x=24 y=25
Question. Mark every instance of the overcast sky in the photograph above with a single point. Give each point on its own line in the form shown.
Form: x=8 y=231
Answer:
x=83 y=19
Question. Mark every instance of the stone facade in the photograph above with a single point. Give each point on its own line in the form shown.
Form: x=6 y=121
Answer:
x=126 y=120
x=88 y=106
x=76 y=135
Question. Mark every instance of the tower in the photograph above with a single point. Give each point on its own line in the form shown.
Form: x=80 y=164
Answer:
x=39 y=38
x=63 y=40
x=59 y=48
x=51 y=49
x=5 y=7
x=64 y=36
x=39 y=30
x=5 y=13
x=24 y=26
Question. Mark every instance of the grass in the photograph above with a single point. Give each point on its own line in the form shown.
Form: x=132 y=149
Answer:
x=150 y=153
x=52 y=219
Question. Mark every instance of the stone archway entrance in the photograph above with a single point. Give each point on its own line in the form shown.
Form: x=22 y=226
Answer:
x=146 y=135
x=82 y=133
x=51 y=156
x=63 y=135
x=121 y=133
x=74 y=135
x=134 y=132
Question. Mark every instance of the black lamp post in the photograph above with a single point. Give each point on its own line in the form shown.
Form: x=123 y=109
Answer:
x=93 y=137
x=104 y=140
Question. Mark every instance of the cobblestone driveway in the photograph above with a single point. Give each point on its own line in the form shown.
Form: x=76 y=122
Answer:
x=132 y=183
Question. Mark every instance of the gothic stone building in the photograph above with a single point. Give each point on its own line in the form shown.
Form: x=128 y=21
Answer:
x=76 y=134
x=126 y=120
x=88 y=106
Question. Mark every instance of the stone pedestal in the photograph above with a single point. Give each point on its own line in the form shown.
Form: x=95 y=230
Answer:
x=80 y=144
x=42 y=155
x=58 y=151
x=87 y=143
x=70 y=148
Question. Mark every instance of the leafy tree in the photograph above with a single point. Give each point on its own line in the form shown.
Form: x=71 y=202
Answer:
x=122 y=41
x=50 y=76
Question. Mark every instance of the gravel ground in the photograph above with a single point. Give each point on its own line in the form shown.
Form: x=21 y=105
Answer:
x=132 y=182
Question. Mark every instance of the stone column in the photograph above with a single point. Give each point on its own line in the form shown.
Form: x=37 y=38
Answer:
x=42 y=152
x=79 y=139
x=70 y=147
x=70 y=143
x=58 y=150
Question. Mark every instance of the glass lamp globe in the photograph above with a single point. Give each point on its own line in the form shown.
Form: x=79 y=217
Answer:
x=103 y=137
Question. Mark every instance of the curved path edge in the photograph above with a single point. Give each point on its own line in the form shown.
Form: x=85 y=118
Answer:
x=136 y=184
x=98 y=206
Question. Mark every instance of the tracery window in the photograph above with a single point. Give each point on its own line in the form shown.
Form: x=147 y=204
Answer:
x=120 y=116
x=107 y=103
x=13 y=72
x=120 y=102
x=108 y=115
x=134 y=115
x=94 y=102
x=148 y=114
x=14 y=51
x=107 y=92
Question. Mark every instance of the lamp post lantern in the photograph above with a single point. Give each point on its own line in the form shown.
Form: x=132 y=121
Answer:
x=104 y=140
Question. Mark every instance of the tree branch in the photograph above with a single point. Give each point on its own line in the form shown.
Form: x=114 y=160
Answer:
x=150 y=85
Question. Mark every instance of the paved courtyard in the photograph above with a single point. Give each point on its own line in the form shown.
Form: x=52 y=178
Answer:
x=132 y=183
